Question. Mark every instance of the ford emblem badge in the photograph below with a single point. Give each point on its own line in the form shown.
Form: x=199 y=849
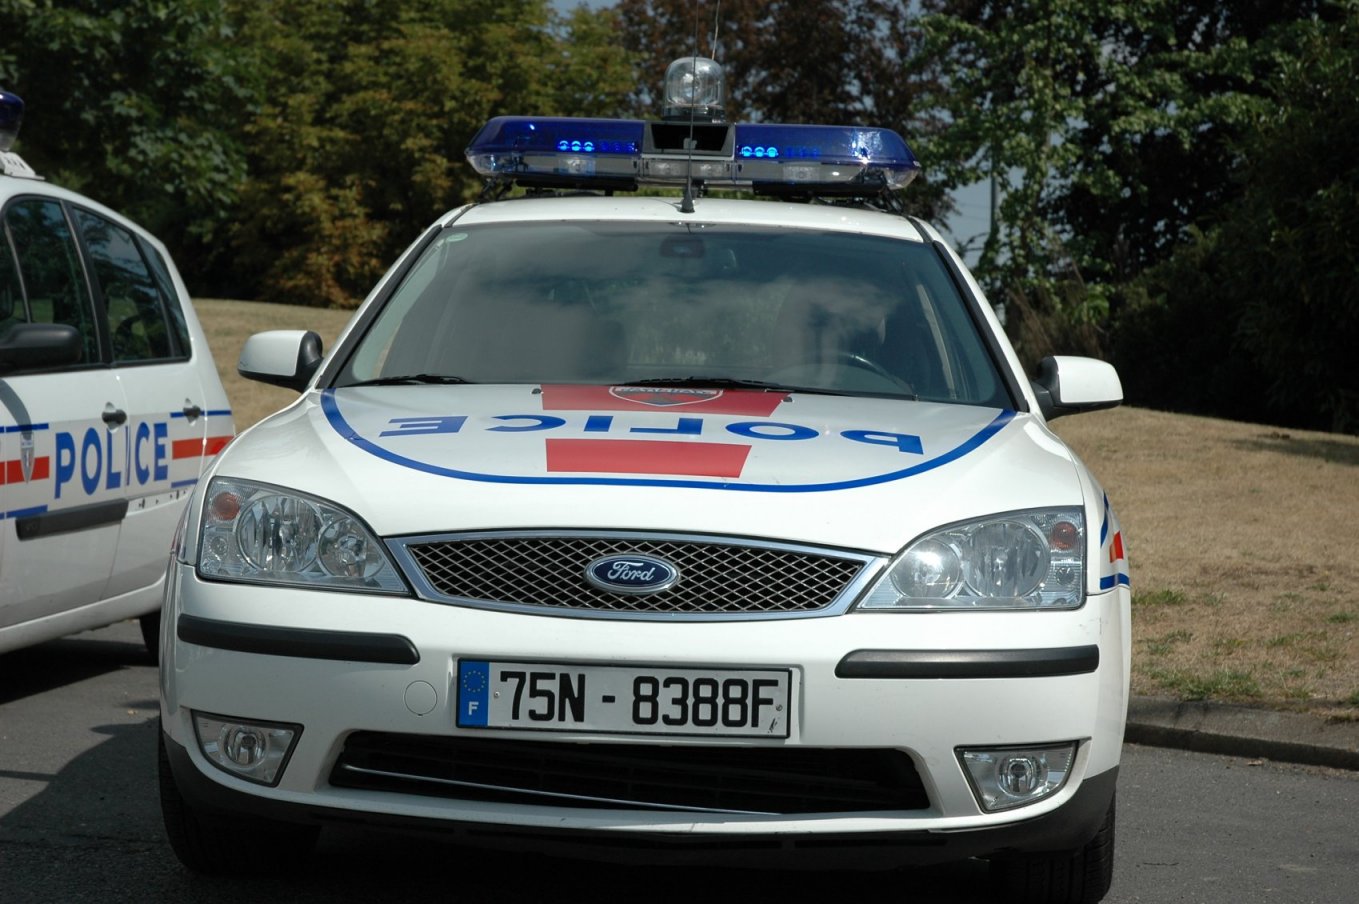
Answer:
x=632 y=573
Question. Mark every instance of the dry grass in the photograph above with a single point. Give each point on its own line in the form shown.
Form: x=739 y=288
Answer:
x=1240 y=536
x=229 y=323
x=1245 y=585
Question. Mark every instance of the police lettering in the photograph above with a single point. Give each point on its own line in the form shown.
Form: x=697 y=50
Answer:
x=111 y=459
x=775 y=431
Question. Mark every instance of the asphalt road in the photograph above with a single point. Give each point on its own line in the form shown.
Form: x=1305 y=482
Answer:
x=79 y=821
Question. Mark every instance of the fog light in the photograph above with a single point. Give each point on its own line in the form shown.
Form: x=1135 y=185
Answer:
x=255 y=751
x=1002 y=778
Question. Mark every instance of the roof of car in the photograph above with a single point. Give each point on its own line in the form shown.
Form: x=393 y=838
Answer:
x=706 y=211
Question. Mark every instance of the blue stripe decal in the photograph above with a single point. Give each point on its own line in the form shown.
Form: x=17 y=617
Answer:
x=183 y=483
x=1108 y=582
x=1104 y=527
x=25 y=428
x=342 y=427
x=24 y=513
x=219 y=412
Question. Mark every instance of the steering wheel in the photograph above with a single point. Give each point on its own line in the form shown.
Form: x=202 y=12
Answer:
x=846 y=358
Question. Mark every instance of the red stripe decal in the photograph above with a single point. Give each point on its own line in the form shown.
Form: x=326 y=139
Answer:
x=635 y=456
x=186 y=448
x=193 y=448
x=13 y=471
x=660 y=398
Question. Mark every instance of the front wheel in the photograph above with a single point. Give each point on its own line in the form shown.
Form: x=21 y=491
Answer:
x=150 y=625
x=1077 y=877
x=225 y=845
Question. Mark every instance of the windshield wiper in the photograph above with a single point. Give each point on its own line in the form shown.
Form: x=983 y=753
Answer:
x=411 y=380
x=714 y=382
x=735 y=383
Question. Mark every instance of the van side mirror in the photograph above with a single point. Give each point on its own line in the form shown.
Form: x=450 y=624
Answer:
x=38 y=346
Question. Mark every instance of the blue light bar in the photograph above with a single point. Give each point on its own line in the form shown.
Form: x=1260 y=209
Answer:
x=548 y=134
x=584 y=153
x=11 y=116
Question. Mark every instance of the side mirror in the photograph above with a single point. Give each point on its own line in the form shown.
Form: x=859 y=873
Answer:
x=1069 y=385
x=35 y=346
x=288 y=358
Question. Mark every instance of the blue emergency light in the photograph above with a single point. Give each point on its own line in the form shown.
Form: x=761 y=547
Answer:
x=626 y=153
x=11 y=116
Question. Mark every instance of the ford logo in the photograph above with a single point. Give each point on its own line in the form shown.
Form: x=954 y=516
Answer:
x=632 y=573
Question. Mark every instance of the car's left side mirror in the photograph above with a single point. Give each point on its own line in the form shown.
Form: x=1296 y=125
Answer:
x=286 y=358
x=1070 y=385
x=36 y=346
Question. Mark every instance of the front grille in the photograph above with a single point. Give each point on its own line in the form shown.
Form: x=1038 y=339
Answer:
x=764 y=780
x=715 y=577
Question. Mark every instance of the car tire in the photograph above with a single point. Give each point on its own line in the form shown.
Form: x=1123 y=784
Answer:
x=1079 y=877
x=150 y=625
x=220 y=844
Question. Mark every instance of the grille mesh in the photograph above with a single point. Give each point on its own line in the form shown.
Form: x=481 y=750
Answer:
x=746 y=779
x=715 y=578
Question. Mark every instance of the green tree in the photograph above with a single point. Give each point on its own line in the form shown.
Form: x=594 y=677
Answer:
x=850 y=62
x=134 y=105
x=1110 y=130
x=1266 y=299
x=366 y=108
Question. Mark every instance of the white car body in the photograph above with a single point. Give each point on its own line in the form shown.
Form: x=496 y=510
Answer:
x=863 y=476
x=97 y=457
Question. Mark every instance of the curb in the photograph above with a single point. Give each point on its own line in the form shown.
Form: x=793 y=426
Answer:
x=1243 y=731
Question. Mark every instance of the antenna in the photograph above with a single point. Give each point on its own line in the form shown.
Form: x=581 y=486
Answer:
x=687 y=202
x=717 y=26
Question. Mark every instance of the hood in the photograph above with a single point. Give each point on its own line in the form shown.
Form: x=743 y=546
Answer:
x=862 y=473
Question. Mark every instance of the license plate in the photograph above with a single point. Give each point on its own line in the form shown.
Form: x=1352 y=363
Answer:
x=623 y=699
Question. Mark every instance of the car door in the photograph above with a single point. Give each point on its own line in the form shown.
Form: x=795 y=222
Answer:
x=61 y=503
x=166 y=435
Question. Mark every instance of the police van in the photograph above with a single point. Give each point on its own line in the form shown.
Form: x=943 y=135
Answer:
x=663 y=525
x=110 y=408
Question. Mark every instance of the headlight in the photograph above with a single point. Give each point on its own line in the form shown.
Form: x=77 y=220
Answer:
x=1023 y=560
x=260 y=533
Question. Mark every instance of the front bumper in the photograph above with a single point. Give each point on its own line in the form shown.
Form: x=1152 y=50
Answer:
x=386 y=667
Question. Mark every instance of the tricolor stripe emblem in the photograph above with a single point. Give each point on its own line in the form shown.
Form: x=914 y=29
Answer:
x=653 y=456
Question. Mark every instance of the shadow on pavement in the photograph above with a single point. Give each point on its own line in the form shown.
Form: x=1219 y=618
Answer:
x=94 y=833
x=57 y=663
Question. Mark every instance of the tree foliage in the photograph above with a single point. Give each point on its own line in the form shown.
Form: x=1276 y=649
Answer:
x=1177 y=188
x=1266 y=299
x=1110 y=130
x=365 y=112
x=828 y=61
x=134 y=105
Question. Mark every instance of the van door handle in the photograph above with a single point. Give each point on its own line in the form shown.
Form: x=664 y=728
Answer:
x=192 y=411
x=114 y=417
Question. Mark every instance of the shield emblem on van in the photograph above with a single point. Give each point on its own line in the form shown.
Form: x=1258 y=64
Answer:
x=26 y=455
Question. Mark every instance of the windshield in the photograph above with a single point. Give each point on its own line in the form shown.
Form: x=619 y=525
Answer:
x=622 y=304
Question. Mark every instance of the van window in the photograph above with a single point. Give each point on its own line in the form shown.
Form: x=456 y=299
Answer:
x=53 y=279
x=138 y=325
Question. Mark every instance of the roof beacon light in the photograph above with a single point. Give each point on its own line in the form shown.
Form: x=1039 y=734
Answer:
x=623 y=154
x=695 y=89
x=11 y=116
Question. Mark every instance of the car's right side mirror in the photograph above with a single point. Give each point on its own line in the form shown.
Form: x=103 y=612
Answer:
x=286 y=358
x=1069 y=385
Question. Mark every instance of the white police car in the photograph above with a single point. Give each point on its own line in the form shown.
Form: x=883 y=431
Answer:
x=110 y=407
x=702 y=524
